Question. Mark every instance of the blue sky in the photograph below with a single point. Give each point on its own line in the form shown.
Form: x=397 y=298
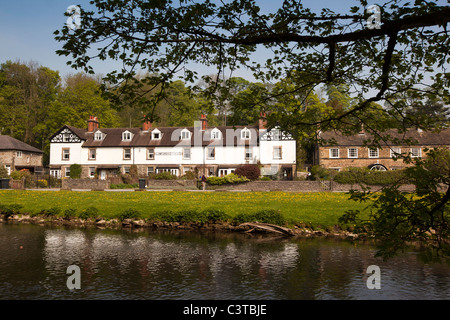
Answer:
x=27 y=26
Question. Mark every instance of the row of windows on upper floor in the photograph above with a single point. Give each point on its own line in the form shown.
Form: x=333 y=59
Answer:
x=186 y=153
x=185 y=134
x=352 y=153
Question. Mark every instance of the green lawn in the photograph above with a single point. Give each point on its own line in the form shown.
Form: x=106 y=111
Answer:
x=316 y=209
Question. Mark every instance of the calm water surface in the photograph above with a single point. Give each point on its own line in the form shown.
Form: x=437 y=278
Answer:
x=118 y=264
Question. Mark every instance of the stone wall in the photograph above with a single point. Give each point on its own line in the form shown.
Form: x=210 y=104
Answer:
x=188 y=184
x=89 y=184
x=293 y=186
x=304 y=186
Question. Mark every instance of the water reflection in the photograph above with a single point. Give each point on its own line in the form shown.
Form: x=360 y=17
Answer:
x=168 y=265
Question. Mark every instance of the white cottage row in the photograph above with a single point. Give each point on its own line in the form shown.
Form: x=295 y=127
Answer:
x=213 y=151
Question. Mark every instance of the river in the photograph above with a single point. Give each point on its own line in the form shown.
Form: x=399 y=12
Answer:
x=127 y=265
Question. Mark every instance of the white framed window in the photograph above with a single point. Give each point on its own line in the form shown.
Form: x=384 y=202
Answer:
x=245 y=134
x=91 y=172
x=215 y=134
x=66 y=137
x=126 y=169
x=55 y=173
x=186 y=153
x=277 y=153
x=185 y=135
x=352 y=152
x=67 y=172
x=19 y=154
x=126 y=154
x=248 y=153
x=374 y=153
x=127 y=136
x=395 y=152
x=98 y=136
x=92 y=154
x=65 y=154
x=173 y=172
x=151 y=154
x=8 y=169
x=416 y=152
x=334 y=153
x=211 y=153
x=156 y=134
x=150 y=170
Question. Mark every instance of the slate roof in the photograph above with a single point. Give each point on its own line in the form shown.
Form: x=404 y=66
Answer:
x=423 y=138
x=113 y=137
x=10 y=143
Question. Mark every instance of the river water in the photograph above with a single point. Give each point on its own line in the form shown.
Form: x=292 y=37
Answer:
x=119 y=264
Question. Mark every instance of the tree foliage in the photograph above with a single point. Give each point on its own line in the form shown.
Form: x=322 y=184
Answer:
x=169 y=39
x=397 y=219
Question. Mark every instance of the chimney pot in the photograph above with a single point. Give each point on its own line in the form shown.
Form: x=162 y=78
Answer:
x=92 y=124
x=204 y=122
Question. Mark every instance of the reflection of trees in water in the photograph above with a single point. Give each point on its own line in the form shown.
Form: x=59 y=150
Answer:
x=221 y=267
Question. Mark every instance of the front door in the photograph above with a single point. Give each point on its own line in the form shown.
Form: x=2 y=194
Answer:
x=102 y=174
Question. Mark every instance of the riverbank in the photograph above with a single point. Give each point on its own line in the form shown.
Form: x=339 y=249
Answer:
x=313 y=211
x=141 y=224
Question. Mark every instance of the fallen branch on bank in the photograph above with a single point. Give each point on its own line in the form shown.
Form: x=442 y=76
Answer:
x=267 y=227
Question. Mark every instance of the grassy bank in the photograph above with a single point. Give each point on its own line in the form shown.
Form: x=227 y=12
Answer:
x=318 y=210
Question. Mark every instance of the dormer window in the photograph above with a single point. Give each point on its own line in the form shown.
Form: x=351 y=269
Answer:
x=185 y=134
x=245 y=134
x=98 y=136
x=215 y=134
x=127 y=136
x=156 y=134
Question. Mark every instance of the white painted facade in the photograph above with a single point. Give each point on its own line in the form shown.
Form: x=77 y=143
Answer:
x=214 y=157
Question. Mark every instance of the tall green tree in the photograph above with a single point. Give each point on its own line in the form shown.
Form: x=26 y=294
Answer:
x=26 y=94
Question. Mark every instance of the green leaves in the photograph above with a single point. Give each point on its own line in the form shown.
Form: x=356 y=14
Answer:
x=397 y=219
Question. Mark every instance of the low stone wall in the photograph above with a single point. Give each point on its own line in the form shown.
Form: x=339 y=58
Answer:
x=292 y=186
x=188 y=184
x=305 y=186
x=17 y=184
x=89 y=184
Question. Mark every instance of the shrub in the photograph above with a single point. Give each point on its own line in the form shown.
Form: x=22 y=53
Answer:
x=69 y=214
x=3 y=172
x=42 y=183
x=91 y=212
x=75 y=171
x=264 y=216
x=192 y=216
x=165 y=215
x=215 y=215
x=366 y=176
x=52 y=212
x=228 y=179
x=269 y=216
x=19 y=175
x=133 y=171
x=165 y=176
x=189 y=176
x=318 y=172
x=10 y=209
x=129 y=214
x=250 y=171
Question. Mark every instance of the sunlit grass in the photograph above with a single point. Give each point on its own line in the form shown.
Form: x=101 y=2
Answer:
x=313 y=209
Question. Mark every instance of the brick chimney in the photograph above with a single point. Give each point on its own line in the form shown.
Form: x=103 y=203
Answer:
x=147 y=125
x=92 y=124
x=262 y=121
x=204 y=122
